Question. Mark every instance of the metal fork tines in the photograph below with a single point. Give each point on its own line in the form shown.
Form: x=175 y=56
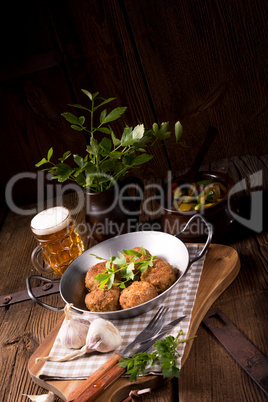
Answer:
x=152 y=328
x=145 y=346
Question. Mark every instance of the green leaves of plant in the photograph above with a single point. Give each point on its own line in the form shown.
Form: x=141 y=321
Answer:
x=178 y=131
x=47 y=159
x=140 y=159
x=161 y=133
x=113 y=115
x=108 y=158
x=71 y=118
x=61 y=172
x=77 y=122
x=165 y=353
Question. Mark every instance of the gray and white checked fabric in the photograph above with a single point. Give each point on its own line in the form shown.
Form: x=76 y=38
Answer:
x=181 y=301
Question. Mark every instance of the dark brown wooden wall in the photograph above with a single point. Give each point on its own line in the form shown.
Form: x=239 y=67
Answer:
x=203 y=62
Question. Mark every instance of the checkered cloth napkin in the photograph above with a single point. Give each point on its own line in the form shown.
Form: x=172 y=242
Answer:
x=180 y=301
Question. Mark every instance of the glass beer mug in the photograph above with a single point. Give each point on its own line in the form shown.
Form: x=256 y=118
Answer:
x=59 y=241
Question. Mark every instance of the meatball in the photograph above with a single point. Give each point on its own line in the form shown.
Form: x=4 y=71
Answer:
x=101 y=300
x=129 y=258
x=161 y=275
x=97 y=269
x=137 y=293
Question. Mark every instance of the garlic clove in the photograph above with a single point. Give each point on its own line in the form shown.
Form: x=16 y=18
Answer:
x=73 y=332
x=102 y=337
x=41 y=398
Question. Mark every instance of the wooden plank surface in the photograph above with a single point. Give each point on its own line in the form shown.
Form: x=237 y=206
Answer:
x=220 y=269
x=209 y=374
x=200 y=62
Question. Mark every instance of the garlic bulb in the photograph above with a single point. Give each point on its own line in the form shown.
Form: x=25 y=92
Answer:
x=73 y=332
x=102 y=337
x=42 y=398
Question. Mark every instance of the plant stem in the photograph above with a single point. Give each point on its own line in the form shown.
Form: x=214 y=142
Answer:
x=91 y=118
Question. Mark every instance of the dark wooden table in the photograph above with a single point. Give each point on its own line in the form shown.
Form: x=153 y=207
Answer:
x=210 y=374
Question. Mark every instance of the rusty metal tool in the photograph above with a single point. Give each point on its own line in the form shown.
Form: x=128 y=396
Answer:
x=240 y=348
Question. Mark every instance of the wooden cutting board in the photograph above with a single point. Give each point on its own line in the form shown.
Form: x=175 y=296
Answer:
x=220 y=269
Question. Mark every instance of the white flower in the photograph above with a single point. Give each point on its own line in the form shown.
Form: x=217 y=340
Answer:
x=138 y=132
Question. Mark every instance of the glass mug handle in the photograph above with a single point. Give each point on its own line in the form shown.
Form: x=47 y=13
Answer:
x=36 y=263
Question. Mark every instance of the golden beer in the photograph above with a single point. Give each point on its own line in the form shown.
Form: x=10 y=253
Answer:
x=59 y=241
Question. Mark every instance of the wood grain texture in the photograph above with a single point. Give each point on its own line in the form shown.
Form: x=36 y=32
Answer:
x=203 y=63
x=209 y=64
x=106 y=49
x=244 y=302
x=209 y=374
x=220 y=269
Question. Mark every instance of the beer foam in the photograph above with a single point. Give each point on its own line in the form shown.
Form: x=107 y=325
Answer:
x=50 y=221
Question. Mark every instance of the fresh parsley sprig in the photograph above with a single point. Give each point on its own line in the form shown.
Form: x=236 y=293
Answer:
x=165 y=353
x=127 y=270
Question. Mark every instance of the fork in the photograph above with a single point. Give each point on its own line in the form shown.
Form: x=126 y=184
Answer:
x=152 y=328
x=146 y=345
x=109 y=372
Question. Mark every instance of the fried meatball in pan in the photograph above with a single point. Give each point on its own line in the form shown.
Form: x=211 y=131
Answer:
x=101 y=300
x=161 y=275
x=136 y=294
x=97 y=269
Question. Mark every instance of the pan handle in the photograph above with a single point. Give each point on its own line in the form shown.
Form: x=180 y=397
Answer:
x=209 y=237
x=30 y=293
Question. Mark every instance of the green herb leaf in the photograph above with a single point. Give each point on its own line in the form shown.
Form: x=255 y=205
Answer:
x=142 y=159
x=178 y=131
x=42 y=162
x=143 y=250
x=71 y=118
x=77 y=128
x=80 y=107
x=49 y=154
x=165 y=353
x=94 y=95
x=103 y=115
x=115 y=140
x=102 y=278
x=82 y=119
x=127 y=136
x=62 y=172
x=65 y=156
x=110 y=281
x=114 y=114
x=88 y=94
x=78 y=160
x=155 y=128
x=129 y=271
x=129 y=159
x=120 y=260
x=132 y=252
x=104 y=130
x=104 y=103
x=106 y=145
x=94 y=146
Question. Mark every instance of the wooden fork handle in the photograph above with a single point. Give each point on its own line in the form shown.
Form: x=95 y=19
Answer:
x=95 y=389
x=95 y=377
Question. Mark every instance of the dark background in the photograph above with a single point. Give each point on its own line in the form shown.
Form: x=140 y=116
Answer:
x=201 y=62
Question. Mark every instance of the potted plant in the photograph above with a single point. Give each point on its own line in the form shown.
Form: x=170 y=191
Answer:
x=108 y=158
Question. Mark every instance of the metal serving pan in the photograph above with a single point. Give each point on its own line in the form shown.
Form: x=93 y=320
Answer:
x=163 y=245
